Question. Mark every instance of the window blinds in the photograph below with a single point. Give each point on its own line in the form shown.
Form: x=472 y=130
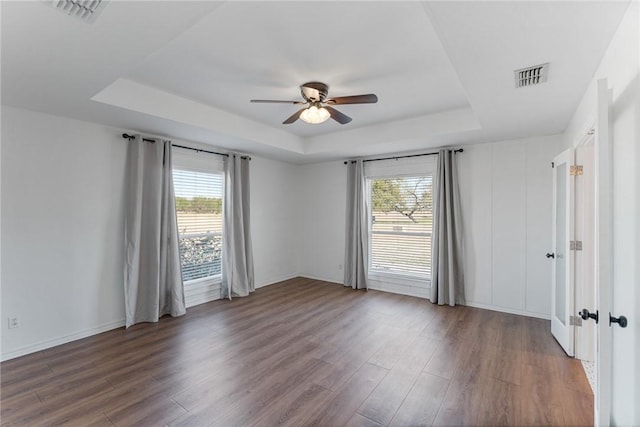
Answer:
x=199 y=213
x=401 y=225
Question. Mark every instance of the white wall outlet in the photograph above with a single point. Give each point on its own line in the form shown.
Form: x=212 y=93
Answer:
x=339 y=266
x=13 y=322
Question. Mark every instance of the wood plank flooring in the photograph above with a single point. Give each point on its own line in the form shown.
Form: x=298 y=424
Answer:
x=305 y=352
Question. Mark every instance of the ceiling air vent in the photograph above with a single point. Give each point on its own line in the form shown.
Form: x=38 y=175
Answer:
x=531 y=75
x=86 y=10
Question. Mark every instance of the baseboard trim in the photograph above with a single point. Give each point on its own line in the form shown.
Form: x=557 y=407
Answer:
x=53 y=342
x=425 y=295
x=277 y=280
x=396 y=288
x=392 y=288
x=45 y=344
x=322 y=279
x=508 y=310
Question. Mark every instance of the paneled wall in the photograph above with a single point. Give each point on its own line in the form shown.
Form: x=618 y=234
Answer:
x=507 y=200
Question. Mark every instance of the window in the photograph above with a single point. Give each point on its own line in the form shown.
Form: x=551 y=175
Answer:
x=401 y=224
x=199 y=212
x=199 y=184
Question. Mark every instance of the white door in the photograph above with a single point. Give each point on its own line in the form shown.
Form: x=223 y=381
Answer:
x=604 y=261
x=585 y=280
x=562 y=282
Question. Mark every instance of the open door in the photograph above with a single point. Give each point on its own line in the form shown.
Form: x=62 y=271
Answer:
x=562 y=281
x=585 y=281
x=603 y=258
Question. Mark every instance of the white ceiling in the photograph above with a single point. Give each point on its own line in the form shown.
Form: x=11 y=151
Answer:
x=443 y=71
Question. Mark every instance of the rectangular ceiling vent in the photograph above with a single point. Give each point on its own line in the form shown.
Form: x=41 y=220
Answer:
x=86 y=10
x=531 y=76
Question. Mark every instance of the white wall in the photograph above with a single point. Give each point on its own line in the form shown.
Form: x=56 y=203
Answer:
x=506 y=199
x=275 y=220
x=323 y=212
x=62 y=226
x=621 y=67
x=505 y=189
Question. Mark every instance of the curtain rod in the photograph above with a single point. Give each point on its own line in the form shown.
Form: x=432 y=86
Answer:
x=153 y=141
x=459 y=150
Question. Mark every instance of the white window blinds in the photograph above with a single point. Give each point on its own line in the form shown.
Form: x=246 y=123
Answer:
x=401 y=225
x=199 y=212
x=401 y=222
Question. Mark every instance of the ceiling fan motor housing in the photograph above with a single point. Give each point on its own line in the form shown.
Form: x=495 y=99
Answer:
x=314 y=91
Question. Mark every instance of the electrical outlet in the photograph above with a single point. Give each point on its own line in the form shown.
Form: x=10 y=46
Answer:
x=339 y=266
x=13 y=322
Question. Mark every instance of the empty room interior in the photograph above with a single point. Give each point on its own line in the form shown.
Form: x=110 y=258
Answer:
x=354 y=213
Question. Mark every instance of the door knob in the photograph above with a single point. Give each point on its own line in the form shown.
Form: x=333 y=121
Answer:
x=551 y=255
x=622 y=321
x=586 y=315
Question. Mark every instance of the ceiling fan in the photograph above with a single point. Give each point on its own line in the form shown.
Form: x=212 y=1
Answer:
x=318 y=108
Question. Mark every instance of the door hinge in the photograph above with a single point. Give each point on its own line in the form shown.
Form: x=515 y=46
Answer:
x=575 y=170
x=575 y=245
x=575 y=321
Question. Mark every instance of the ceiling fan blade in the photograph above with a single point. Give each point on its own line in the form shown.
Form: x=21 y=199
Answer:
x=294 y=117
x=337 y=115
x=273 y=101
x=355 y=99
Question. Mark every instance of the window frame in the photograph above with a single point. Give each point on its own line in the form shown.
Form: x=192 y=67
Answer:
x=202 y=289
x=413 y=167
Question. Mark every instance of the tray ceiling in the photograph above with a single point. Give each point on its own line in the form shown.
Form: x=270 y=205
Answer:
x=443 y=71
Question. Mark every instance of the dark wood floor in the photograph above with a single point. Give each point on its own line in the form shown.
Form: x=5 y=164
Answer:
x=304 y=352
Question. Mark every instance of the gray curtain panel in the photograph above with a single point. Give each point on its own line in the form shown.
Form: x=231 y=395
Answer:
x=152 y=275
x=237 y=254
x=357 y=228
x=447 y=283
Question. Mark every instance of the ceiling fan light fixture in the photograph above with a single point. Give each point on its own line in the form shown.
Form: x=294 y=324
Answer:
x=320 y=109
x=315 y=115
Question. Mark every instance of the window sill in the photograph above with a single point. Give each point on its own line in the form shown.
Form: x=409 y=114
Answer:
x=400 y=279
x=398 y=284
